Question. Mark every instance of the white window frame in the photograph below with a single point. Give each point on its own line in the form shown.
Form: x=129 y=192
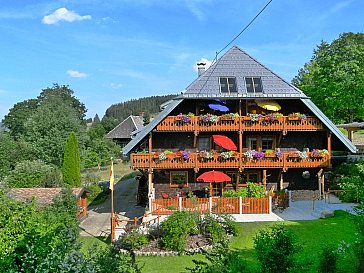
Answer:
x=229 y=85
x=254 y=85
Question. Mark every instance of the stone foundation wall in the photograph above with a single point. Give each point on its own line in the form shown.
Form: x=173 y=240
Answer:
x=299 y=195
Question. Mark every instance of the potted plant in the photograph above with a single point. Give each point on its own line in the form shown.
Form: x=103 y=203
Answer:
x=278 y=153
x=294 y=154
x=229 y=116
x=185 y=118
x=227 y=155
x=319 y=153
x=269 y=153
x=255 y=117
x=296 y=116
x=249 y=155
x=258 y=155
x=208 y=118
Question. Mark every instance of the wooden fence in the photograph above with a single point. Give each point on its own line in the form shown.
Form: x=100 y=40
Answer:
x=215 y=205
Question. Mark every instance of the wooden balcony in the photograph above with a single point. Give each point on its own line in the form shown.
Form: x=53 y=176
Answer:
x=148 y=161
x=172 y=123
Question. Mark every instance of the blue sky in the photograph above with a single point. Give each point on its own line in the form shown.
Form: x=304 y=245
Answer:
x=116 y=50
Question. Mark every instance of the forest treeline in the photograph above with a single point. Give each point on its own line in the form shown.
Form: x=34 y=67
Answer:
x=147 y=105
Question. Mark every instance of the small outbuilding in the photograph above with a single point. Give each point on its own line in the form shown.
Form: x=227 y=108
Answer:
x=122 y=133
x=45 y=196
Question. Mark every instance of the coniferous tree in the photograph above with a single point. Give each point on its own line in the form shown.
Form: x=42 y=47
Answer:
x=71 y=168
x=96 y=119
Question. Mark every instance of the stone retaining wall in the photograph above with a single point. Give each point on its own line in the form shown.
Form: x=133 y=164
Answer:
x=299 y=195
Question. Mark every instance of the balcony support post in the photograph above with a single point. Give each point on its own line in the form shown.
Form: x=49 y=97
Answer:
x=240 y=146
x=264 y=180
x=281 y=182
x=195 y=134
x=150 y=188
x=329 y=146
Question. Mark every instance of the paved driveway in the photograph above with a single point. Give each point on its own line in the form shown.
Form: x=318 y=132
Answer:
x=98 y=222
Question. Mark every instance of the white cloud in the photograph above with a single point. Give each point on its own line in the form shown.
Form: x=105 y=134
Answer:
x=202 y=60
x=63 y=14
x=76 y=74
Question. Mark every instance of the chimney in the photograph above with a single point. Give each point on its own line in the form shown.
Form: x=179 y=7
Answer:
x=200 y=68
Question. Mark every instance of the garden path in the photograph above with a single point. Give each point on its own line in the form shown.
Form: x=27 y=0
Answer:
x=98 y=222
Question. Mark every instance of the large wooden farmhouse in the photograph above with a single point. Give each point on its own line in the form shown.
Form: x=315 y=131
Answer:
x=240 y=118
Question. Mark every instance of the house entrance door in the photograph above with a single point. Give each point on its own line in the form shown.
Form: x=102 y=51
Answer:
x=217 y=189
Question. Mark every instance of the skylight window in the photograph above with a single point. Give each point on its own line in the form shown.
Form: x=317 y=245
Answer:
x=227 y=85
x=253 y=84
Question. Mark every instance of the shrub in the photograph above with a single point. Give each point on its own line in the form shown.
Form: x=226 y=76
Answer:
x=240 y=192
x=90 y=158
x=217 y=227
x=359 y=243
x=228 y=223
x=221 y=259
x=352 y=180
x=211 y=227
x=328 y=260
x=255 y=190
x=275 y=249
x=175 y=229
x=35 y=173
x=133 y=240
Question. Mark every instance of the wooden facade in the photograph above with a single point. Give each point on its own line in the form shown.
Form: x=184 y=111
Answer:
x=281 y=140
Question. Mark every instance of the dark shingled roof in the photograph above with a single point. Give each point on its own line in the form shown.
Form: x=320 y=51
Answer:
x=43 y=196
x=126 y=127
x=237 y=63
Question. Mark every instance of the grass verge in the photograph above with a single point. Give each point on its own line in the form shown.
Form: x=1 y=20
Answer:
x=312 y=235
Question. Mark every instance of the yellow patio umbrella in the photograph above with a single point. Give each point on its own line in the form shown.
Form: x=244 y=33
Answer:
x=270 y=105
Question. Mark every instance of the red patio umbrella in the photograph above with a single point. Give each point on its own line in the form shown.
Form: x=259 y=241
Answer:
x=213 y=176
x=224 y=142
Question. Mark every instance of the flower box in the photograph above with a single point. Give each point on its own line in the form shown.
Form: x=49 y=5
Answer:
x=170 y=156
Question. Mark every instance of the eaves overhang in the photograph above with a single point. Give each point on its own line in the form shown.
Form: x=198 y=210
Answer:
x=149 y=127
x=330 y=125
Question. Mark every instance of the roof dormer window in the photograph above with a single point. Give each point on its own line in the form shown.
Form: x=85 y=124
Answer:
x=227 y=85
x=253 y=84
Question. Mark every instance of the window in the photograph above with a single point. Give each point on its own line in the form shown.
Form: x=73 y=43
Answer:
x=253 y=84
x=234 y=178
x=252 y=143
x=267 y=143
x=228 y=85
x=204 y=143
x=249 y=177
x=261 y=142
x=179 y=179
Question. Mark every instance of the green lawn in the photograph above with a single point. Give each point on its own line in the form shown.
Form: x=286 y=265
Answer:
x=312 y=235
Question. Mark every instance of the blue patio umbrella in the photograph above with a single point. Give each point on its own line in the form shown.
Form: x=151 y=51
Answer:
x=218 y=107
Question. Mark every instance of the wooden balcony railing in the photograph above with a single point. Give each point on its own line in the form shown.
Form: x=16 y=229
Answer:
x=215 y=205
x=172 y=123
x=288 y=160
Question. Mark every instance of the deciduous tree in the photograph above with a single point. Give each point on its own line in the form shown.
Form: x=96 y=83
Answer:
x=49 y=127
x=334 y=78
